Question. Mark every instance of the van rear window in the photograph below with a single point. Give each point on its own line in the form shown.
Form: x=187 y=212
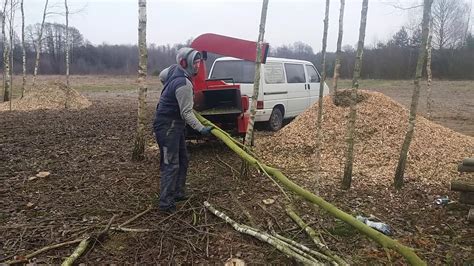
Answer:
x=240 y=71
x=295 y=73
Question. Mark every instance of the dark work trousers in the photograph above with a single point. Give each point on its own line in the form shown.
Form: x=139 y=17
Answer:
x=174 y=160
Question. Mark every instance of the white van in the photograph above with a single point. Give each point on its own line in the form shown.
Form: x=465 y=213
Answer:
x=287 y=86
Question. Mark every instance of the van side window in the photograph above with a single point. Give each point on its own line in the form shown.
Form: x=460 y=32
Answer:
x=294 y=73
x=274 y=73
x=313 y=75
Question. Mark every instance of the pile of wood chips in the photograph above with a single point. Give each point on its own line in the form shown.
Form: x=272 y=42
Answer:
x=380 y=129
x=47 y=96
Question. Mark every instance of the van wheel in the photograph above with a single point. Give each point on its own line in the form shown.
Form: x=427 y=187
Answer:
x=276 y=120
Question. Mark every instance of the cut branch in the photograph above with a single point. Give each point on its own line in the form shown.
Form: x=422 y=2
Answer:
x=380 y=238
x=314 y=236
x=303 y=247
x=278 y=244
x=136 y=217
x=42 y=250
x=69 y=261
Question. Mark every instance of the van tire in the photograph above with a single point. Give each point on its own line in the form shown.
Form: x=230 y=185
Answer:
x=276 y=119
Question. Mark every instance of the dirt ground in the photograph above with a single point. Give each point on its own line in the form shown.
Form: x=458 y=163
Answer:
x=92 y=178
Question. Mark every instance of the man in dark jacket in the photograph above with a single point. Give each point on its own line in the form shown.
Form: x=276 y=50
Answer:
x=173 y=112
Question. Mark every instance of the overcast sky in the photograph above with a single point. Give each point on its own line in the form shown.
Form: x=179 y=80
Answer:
x=169 y=22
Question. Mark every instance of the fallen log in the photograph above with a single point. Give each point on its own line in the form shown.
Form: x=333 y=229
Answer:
x=378 y=237
x=465 y=168
x=462 y=185
x=466 y=197
x=468 y=162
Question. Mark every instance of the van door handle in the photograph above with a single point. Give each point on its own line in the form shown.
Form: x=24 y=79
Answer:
x=309 y=87
x=305 y=88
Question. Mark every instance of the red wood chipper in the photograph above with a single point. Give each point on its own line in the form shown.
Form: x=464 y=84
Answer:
x=220 y=101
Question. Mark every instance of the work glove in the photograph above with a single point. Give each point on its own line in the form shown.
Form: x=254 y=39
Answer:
x=206 y=131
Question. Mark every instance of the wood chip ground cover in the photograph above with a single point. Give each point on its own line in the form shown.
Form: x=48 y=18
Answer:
x=87 y=154
x=51 y=95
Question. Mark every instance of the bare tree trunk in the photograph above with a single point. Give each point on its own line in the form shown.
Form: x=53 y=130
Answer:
x=139 y=148
x=38 y=44
x=249 y=135
x=6 y=72
x=12 y=47
x=398 y=180
x=256 y=83
x=322 y=81
x=347 y=179
x=23 y=84
x=6 y=87
x=67 y=55
x=337 y=65
x=429 y=99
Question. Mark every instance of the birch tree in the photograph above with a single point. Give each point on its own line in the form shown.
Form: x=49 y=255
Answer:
x=6 y=73
x=249 y=135
x=23 y=84
x=139 y=148
x=12 y=46
x=67 y=54
x=6 y=64
x=256 y=83
x=38 y=43
x=398 y=180
x=429 y=99
x=321 y=90
x=337 y=65
x=347 y=178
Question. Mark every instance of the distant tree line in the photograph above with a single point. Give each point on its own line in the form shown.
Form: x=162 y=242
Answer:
x=394 y=59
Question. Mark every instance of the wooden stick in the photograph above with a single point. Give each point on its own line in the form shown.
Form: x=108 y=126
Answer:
x=41 y=250
x=77 y=252
x=278 y=244
x=313 y=235
x=134 y=230
x=85 y=243
x=242 y=209
x=136 y=216
x=303 y=247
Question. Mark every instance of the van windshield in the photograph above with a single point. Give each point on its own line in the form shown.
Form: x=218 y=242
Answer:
x=240 y=71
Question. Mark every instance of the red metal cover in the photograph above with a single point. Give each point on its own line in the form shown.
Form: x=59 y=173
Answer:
x=229 y=46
